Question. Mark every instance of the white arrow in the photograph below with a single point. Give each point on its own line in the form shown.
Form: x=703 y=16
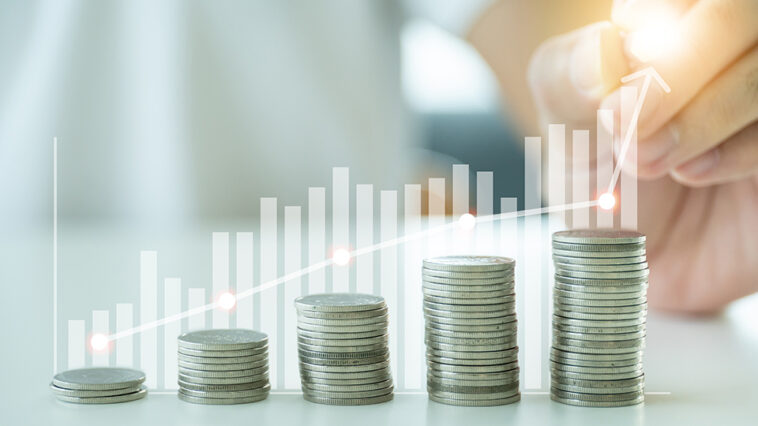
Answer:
x=649 y=73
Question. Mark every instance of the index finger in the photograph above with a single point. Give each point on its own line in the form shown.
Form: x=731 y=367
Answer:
x=710 y=36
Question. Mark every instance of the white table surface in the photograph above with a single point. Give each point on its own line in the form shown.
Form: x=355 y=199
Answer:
x=699 y=371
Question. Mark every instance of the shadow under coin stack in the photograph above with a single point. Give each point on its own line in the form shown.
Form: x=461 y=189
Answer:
x=223 y=366
x=343 y=349
x=471 y=352
x=105 y=385
x=600 y=301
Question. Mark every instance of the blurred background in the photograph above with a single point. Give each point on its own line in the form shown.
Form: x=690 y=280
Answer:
x=173 y=112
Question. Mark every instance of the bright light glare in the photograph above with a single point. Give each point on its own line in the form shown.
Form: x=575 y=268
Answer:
x=658 y=37
x=467 y=221
x=226 y=301
x=98 y=342
x=606 y=201
x=341 y=257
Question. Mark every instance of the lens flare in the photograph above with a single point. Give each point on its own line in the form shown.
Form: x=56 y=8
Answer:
x=606 y=201
x=657 y=38
x=467 y=221
x=98 y=342
x=226 y=301
x=341 y=257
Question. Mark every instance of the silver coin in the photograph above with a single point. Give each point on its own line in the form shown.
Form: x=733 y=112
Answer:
x=223 y=367
x=597 y=323
x=343 y=369
x=562 y=274
x=474 y=355
x=306 y=374
x=240 y=386
x=486 y=330
x=599 y=364
x=223 y=354
x=475 y=403
x=440 y=381
x=99 y=378
x=470 y=301
x=383 y=385
x=344 y=351
x=469 y=288
x=595 y=357
x=599 y=254
x=191 y=372
x=382 y=326
x=595 y=376
x=609 y=384
x=601 y=268
x=610 y=310
x=227 y=393
x=342 y=322
x=348 y=401
x=594 y=397
x=599 y=236
x=339 y=302
x=508 y=309
x=599 y=330
x=222 y=339
x=221 y=401
x=465 y=321
x=498 y=391
x=636 y=335
x=597 y=302
x=469 y=309
x=93 y=393
x=342 y=395
x=337 y=336
x=344 y=315
x=464 y=263
x=425 y=272
x=455 y=361
x=624 y=285
x=227 y=360
x=599 y=260
x=493 y=341
x=490 y=347
x=598 y=247
x=571 y=292
x=465 y=282
x=223 y=380
x=104 y=399
x=598 y=391
x=598 y=404
x=383 y=339
x=599 y=317
x=466 y=295
x=498 y=368
x=592 y=344
x=589 y=350
x=557 y=368
x=475 y=396
x=342 y=361
x=347 y=382
x=504 y=375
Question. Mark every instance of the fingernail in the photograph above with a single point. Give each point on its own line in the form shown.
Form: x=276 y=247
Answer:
x=699 y=166
x=657 y=146
x=586 y=65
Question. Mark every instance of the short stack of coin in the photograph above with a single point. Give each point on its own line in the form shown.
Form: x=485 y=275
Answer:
x=471 y=352
x=223 y=366
x=103 y=385
x=600 y=300
x=343 y=349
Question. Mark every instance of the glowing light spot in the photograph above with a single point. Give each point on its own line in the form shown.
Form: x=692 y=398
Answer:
x=226 y=301
x=341 y=257
x=606 y=201
x=467 y=221
x=98 y=342
x=654 y=40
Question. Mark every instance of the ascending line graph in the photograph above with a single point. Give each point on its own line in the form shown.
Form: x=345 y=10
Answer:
x=263 y=301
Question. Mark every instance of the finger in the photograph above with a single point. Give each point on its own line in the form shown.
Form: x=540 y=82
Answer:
x=570 y=74
x=735 y=159
x=724 y=107
x=711 y=35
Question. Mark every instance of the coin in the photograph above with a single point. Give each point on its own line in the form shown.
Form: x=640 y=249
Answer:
x=342 y=322
x=344 y=315
x=245 y=393
x=598 y=260
x=222 y=360
x=469 y=263
x=220 y=401
x=222 y=339
x=348 y=401
x=599 y=236
x=223 y=354
x=223 y=380
x=599 y=254
x=426 y=272
x=93 y=393
x=339 y=302
x=99 y=378
x=581 y=403
x=104 y=399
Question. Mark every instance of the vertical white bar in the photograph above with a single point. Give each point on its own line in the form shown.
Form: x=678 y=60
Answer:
x=220 y=276
x=364 y=236
x=413 y=316
x=533 y=267
x=460 y=190
x=269 y=271
x=149 y=313
x=316 y=238
x=556 y=194
x=509 y=246
x=580 y=170
x=292 y=262
x=604 y=163
x=628 y=174
x=484 y=207
x=388 y=274
x=172 y=305
x=76 y=344
x=436 y=200
x=196 y=299
x=124 y=345
x=100 y=324
x=245 y=250
x=340 y=225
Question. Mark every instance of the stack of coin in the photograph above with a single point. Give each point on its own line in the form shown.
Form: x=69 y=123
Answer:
x=471 y=352
x=223 y=366
x=104 y=385
x=599 y=318
x=342 y=346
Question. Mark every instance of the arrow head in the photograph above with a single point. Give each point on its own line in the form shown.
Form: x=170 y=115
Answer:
x=648 y=72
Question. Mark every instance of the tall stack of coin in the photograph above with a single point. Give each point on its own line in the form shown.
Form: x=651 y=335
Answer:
x=600 y=300
x=223 y=366
x=103 y=385
x=342 y=346
x=471 y=352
